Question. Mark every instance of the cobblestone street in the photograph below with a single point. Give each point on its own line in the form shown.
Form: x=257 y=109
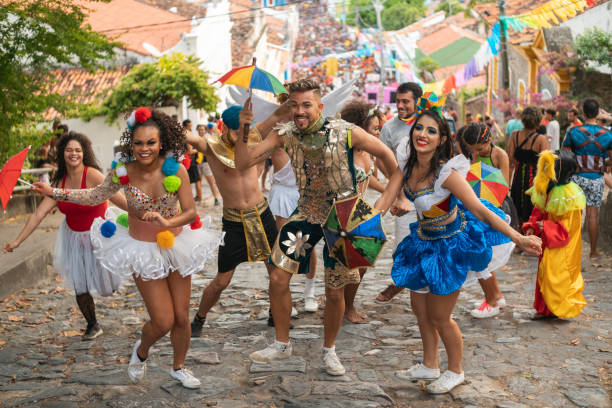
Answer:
x=509 y=360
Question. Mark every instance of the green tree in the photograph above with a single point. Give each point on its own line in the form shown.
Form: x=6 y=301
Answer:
x=399 y=16
x=427 y=64
x=37 y=36
x=595 y=45
x=450 y=7
x=162 y=83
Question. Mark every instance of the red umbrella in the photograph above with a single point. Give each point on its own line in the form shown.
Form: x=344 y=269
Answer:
x=10 y=174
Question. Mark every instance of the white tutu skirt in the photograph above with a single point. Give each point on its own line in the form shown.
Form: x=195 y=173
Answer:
x=283 y=200
x=75 y=261
x=125 y=256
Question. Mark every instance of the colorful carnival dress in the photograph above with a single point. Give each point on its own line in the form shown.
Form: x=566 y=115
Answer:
x=438 y=257
x=559 y=284
x=127 y=246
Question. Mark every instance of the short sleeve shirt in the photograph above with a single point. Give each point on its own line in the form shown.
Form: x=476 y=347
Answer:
x=575 y=138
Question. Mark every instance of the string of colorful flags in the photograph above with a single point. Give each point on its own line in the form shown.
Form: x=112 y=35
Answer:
x=552 y=12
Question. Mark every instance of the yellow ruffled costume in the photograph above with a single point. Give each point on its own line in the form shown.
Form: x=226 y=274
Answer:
x=559 y=283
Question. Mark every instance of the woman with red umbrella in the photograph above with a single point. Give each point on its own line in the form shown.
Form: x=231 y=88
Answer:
x=74 y=258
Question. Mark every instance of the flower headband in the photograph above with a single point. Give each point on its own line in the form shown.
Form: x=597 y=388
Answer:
x=429 y=101
x=140 y=115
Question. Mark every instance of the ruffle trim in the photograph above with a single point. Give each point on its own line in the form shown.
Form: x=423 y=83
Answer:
x=459 y=163
x=444 y=265
x=561 y=199
x=125 y=256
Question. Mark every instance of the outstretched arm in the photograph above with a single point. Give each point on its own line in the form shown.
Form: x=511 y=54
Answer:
x=89 y=196
x=196 y=141
x=46 y=205
x=460 y=188
x=362 y=140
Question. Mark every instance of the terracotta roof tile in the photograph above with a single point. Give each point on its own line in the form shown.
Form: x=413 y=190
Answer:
x=134 y=23
x=84 y=86
x=183 y=8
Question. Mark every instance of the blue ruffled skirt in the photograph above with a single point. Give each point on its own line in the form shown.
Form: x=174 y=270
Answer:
x=442 y=260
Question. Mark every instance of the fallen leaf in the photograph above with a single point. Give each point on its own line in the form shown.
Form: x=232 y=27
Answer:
x=71 y=333
x=575 y=342
x=123 y=360
x=589 y=280
x=14 y=318
x=2 y=342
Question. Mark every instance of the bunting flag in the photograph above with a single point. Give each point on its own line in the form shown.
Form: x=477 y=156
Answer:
x=549 y=14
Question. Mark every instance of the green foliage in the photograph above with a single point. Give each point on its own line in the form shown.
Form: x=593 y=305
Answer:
x=162 y=83
x=399 y=15
x=595 y=45
x=21 y=137
x=453 y=5
x=405 y=12
x=37 y=36
x=427 y=64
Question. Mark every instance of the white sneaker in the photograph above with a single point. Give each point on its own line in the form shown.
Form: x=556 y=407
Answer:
x=310 y=304
x=418 y=372
x=272 y=352
x=501 y=302
x=136 y=368
x=185 y=377
x=333 y=366
x=293 y=311
x=485 y=310
x=447 y=381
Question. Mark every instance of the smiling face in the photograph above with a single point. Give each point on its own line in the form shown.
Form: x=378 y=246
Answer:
x=306 y=107
x=373 y=126
x=73 y=154
x=426 y=135
x=146 y=144
x=405 y=105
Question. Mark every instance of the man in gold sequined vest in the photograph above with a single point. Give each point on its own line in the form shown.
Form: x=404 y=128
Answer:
x=321 y=152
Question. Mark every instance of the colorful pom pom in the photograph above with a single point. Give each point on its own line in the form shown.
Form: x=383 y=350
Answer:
x=122 y=220
x=116 y=179
x=197 y=223
x=119 y=157
x=187 y=162
x=107 y=229
x=113 y=164
x=199 y=158
x=172 y=183
x=124 y=180
x=142 y=114
x=165 y=239
x=120 y=170
x=170 y=166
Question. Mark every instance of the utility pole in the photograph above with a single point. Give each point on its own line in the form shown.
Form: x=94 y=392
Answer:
x=378 y=6
x=505 y=74
x=357 y=13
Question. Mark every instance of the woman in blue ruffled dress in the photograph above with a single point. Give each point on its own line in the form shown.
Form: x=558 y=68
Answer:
x=457 y=238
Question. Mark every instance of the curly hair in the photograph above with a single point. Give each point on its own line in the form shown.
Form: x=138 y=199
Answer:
x=360 y=113
x=171 y=135
x=443 y=151
x=531 y=117
x=89 y=158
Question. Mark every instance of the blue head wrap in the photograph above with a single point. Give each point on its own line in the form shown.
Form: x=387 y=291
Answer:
x=230 y=117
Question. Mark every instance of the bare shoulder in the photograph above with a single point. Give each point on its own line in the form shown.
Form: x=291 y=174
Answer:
x=500 y=153
x=94 y=177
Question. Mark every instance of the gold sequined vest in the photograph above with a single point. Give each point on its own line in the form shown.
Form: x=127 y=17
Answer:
x=322 y=161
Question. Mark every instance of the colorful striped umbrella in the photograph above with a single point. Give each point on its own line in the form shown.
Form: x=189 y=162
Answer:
x=251 y=77
x=488 y=182
x=353 y=233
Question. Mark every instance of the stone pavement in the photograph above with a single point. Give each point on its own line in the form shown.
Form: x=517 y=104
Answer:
x=509 y=360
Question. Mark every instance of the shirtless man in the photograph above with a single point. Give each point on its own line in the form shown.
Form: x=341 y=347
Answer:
x=249 y=226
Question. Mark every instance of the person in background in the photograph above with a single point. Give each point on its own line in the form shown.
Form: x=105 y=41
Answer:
x=44 y=163
x=523 y=149
x=572 y=118
x=194 y=174
x=552 y=129
x=468 y=118
x=512 y=125
x=593 y=146
x=204 y=167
